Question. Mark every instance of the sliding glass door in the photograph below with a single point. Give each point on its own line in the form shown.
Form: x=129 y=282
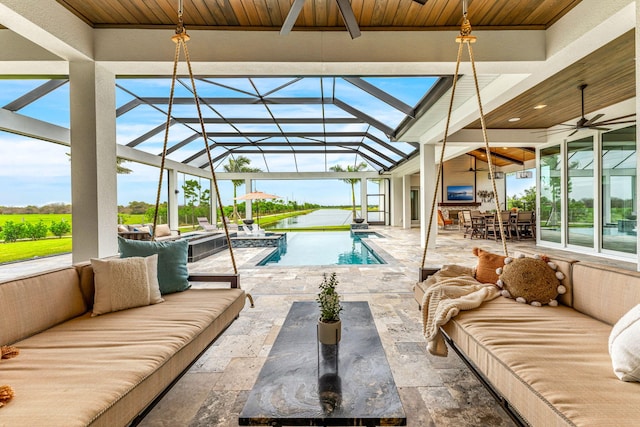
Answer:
x=551 y=194
x=619 y=215
x=580 y=167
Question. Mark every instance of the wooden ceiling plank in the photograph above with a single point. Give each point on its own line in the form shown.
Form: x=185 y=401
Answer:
x=357 y=6
x=391 y=10
x=378 y=13
x=275 y=17
x=252 y=13
x=284 y=6
x=367 y=14
x=334 y=19
x=238 y=10
x=321 y=12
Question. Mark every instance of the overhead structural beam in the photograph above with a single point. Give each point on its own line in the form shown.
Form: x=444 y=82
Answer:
x=292 y=17
x=381 y=95
x=256 y=120
x=243 y=151
x=156 y=130
x=349 y=18
x=35 y=94
x=359 y=114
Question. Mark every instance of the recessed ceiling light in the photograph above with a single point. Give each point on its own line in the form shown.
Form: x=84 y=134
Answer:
x=514 y=119
x=539 y=106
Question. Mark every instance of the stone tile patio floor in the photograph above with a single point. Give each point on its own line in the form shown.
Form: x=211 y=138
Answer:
x=435 y=391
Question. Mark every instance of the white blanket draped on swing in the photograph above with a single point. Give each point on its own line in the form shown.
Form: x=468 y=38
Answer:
x=447 y=292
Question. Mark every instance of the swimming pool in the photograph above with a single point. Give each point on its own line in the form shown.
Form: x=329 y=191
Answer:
x=324 y=248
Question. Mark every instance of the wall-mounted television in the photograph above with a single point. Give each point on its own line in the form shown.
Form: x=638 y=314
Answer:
x=460 y=193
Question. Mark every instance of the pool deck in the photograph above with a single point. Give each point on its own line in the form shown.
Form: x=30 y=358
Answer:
x=435 y=391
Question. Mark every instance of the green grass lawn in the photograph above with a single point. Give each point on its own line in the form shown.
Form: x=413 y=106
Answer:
x=28 y=249
x=34 y=218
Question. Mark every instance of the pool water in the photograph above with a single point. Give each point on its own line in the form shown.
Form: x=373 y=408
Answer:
x=323 y=248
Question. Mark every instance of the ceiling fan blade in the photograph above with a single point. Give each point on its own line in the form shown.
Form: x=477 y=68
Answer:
x=613 y=123
x=598 y=128
x=291 y=18
x=615 y=119
x=593 y=119
x=573 y=133
x=349 y=18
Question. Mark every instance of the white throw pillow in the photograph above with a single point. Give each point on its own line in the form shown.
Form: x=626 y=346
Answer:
x=125 y=283
x=624 y=346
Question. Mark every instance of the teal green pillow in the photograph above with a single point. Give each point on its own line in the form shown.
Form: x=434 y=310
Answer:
x=173 y=275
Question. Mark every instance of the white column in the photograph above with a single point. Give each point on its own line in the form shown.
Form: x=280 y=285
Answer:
x=363 y=198
x=93 y=161
x=172 y=200
x=427 y=188
x=248 y=206
x=406 y=201
x=213 y=203
x=396 y=202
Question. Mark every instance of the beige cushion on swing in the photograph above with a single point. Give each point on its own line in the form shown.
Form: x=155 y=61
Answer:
x=163 y=230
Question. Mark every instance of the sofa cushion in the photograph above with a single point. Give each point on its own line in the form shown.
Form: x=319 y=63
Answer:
x=564 y=265
x=603 y=292
x=103 y=370
x=624 y=346
x=172 y=261
x=551 y=363
x=163 y=230
x=531 y=281
x=487 y=264
x=32 y=304
x=125 y=283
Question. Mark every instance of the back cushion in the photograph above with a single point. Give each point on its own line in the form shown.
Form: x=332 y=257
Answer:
x=565 y=266
x=605 y=293
x=32 y=304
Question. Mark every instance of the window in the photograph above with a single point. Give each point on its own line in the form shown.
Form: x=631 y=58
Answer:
x=619 y=224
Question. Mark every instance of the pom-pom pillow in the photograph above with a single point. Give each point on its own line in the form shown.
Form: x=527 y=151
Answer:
x=624 y=346
x=530 y=280
x=487 y=264
x=125 y=283
x=173 y=275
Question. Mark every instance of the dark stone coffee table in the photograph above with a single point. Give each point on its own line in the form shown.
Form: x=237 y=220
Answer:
x=302 y=383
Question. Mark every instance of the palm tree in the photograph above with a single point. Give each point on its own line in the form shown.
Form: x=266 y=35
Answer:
x=352 y=181
x=238 y=165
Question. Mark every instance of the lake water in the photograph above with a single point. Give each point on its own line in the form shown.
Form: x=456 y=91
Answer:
x=316 y=218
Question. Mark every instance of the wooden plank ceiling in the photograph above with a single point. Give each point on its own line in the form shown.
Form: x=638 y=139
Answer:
x=609 y=73
x=322 y=14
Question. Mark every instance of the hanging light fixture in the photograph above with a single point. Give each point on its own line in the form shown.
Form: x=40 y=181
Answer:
x=523 y=174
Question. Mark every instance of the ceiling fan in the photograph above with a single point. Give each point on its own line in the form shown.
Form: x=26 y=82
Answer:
x=593 y=122
x=345 y=10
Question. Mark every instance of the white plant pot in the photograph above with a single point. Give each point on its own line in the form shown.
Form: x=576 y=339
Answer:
x=329 y=332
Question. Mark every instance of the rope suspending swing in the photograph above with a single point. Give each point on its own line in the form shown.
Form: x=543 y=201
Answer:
x=465 y=38
x=180 y=38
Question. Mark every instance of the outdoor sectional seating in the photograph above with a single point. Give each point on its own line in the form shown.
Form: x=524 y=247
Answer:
x=77 y=370
x=551 y=366
x=144 y=232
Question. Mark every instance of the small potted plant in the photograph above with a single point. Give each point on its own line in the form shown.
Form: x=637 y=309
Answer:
x=329 y=324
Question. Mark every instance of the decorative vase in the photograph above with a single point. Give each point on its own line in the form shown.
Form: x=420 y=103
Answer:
x=359 y=220
x=329 y=332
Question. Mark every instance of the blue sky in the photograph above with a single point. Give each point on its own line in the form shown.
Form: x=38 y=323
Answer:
x=36 y=172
